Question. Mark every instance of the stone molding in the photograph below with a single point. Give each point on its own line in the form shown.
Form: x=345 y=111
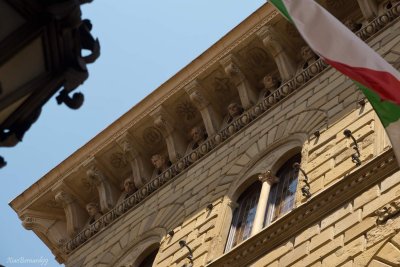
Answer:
x=310 y=212
x=182 y=164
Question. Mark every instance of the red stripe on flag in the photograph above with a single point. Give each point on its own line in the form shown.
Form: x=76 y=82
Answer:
x=383 y=83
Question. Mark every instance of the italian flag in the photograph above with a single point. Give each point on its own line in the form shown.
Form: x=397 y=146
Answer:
x=344 y=51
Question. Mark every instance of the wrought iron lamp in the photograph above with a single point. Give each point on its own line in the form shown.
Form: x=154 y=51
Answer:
x=356 y=156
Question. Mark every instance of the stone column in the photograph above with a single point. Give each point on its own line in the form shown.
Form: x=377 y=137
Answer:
x=176 y=143
x=211 y=119
x=369 y=9
x=286 y=65
x=247 y=92
x=76 y=216
x=141 y=169
x=267 y=180
x=108 y=194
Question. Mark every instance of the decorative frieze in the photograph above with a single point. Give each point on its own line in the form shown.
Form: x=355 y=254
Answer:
x=215 y=137
x=184 y=162
x=379 y=22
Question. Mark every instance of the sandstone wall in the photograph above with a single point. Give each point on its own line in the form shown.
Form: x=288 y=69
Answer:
x=347 y=236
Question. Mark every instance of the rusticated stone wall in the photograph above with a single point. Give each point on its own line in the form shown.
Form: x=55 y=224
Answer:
x=328 y=103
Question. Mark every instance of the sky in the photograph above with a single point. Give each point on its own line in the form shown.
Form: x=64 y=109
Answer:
x=143 y=44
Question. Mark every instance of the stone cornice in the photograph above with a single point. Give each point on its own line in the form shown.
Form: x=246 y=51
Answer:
x=309 y=213
x=212 y=143
x=189 y=73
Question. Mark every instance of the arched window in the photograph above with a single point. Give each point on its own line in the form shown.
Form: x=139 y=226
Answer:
x=282 y=195
x=149 y=260
x=253 y=211
x=243 y=216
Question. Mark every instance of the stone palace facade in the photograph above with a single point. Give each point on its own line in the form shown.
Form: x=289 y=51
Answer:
x=257 y=153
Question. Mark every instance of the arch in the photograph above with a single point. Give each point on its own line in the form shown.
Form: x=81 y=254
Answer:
x=170 y=216
x=135 y=252
x=291 y=132
x=153 y=229
x=270 y=159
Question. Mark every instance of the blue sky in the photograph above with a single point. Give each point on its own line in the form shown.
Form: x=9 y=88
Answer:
x=143 y=43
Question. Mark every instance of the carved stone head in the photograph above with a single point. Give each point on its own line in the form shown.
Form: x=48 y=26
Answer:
x=129 y=185
x=197 y=134
x=159 y=162
x=235 y=110
x=270 y=82
x=93 y=209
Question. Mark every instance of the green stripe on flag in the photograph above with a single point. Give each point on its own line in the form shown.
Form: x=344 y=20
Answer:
x=282 y=8
x=387 y=111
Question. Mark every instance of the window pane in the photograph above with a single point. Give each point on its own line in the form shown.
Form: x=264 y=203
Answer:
x=282 y=196
x=243 y=216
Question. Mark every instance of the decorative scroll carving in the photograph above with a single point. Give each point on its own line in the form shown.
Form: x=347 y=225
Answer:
x=175 y=141
x=247 y=92
x=53 y=229
x=211 y=119
x=107 y=192
x=140 y=168
x=75 y=215
x=286 y=65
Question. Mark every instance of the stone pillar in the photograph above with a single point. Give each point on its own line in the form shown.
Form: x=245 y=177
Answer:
x=76 y=216
x=108 y=194
x=247 y=92
x=267 y=180
x=141 y=169
x=211 y=119
x=176 y=143
x=286 y=65
x=369 y=9
x=222 y=229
